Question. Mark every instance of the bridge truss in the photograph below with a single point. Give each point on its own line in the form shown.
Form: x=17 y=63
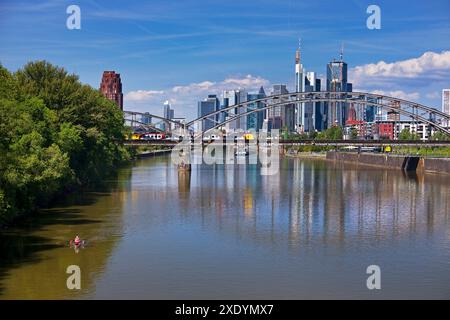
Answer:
x=415 y=111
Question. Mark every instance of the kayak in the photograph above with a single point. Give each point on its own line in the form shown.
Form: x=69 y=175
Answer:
x=76 y=243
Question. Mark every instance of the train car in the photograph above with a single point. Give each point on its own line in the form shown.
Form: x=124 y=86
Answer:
x=212 y=137
x=136 y=136
x=249 y=137
x=153 y=136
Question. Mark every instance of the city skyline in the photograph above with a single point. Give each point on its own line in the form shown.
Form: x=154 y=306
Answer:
x=162 y=57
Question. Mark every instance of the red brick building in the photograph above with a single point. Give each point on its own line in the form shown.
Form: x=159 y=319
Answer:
x=111 y=87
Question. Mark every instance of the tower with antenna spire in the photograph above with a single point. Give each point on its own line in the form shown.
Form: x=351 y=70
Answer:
x=299 y=87
x=337 y=81
x=299 y=71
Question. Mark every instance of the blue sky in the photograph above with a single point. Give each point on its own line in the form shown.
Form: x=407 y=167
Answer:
x=182 y=50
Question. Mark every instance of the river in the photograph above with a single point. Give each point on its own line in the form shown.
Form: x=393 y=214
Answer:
x=228 y=232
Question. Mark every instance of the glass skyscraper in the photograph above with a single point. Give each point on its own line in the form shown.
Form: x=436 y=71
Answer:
x=255 y=120
x=337 y=82
x=206 y=106
x=168 y=114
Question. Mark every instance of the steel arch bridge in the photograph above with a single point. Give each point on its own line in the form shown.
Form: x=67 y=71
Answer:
x=413 y=110
x=131 y=117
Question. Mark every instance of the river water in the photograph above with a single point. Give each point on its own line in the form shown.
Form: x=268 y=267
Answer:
x=309 y=231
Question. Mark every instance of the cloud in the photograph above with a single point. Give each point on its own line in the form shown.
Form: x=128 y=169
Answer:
x=411 y=96
x=142 y=95
x=433 y=95
x=430 y=65
x=248 y=82
x=184 y=98
x=193 y=87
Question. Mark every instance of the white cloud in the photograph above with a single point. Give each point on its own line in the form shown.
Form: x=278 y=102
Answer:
x=429 y=65
x=193 y=87
x=184 y=98
x=246 y=82
x=433 y=95
x=142 y=95
x=411 y=96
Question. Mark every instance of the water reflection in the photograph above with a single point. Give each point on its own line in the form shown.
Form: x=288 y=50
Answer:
x=228 y=232
x=308 y=201
x=314 y=218
x=35 y=253
x=184 y=182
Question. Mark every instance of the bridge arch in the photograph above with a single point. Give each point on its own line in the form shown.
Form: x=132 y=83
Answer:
x=404 y=107
x=135 y=113
x=146 y=125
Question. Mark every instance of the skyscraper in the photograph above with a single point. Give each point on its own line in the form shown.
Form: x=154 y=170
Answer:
x=337 y=82
x=281 y=116
x=299 y=87
x=255 y=120
x=111 y=87
x=206 y=106
x=230 y=98
x=311 y=84
x=168 y=114
x=241 y=122
x=446 y=103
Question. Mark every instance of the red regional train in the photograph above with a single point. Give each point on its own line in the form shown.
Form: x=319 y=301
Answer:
x=149 y=136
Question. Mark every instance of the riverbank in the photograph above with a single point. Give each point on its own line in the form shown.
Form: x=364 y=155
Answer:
x=306 y=155
x=152 y=153
x=392 y=161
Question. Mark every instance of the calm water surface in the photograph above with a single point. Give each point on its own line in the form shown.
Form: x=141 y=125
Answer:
x=230 y=233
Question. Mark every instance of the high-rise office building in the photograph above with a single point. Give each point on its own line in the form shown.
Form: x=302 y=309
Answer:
x=230 y=98
x=311 y=109
x=299 y=87
x=206 y=106
x=168 y=114
x=446 y=103
x=337 y=82
x=241 y=122
x=146 y=118
x=111 y=87
x=281 y=117
x=168 y=111
x=320 y=117
x=255 y=120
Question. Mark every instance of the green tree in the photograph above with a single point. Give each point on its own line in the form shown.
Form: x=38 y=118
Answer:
x=333 y=133
x=354 y=133
x=91 y=124
x=440 y=136
x=55 y=133
x=406 y=134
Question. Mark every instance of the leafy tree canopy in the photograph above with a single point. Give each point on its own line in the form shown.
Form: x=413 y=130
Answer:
x=55 y=133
